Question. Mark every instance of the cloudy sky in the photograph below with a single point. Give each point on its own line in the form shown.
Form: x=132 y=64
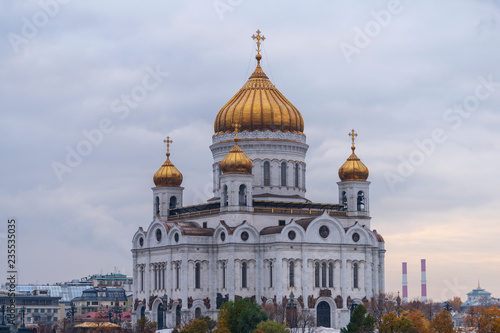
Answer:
x=89 y=89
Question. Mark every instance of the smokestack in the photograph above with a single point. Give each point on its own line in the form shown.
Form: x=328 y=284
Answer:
x=424 y=281
x=405 y=283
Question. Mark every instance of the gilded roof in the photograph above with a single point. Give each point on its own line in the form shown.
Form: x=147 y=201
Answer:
x=259 y=106
x=167 y=174
x=236 y=161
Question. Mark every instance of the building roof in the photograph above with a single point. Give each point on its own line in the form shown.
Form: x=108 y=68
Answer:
x=65 y=292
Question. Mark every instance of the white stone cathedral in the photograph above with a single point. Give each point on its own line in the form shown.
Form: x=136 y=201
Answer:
x=259 y=237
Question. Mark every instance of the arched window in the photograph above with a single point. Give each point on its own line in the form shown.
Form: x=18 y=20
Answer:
x=177 y=275
x=244 y=275
x=316 y=275
x=243 y=195
x=223 y=275
x=197 y=276
x=323 y=275
x=197 y=313
x=344 y=198
x=292 y=274
x=224 y=195
x=271 y=274
x=361 y=201
x=355 y=275
x=330 y=275
x=173 y=202
x=296 y=171
x=267 y=173
x=157 y=205
x=283 y=173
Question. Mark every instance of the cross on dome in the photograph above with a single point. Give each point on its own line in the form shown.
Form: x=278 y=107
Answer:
x=353 y=135
x=259 y=38
x=168 y=142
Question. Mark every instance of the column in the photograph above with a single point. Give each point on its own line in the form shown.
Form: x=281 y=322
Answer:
x=368 y=273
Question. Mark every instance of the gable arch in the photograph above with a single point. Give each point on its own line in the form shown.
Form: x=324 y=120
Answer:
x=366 y=236
x=336 y=230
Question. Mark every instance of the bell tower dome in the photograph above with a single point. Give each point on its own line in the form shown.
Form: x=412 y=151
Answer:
x=353 y=185
x=167 y=193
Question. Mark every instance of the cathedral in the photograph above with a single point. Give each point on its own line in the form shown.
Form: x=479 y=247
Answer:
x=258 y=237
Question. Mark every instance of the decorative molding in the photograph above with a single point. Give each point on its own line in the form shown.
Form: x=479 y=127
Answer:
x=269 y=135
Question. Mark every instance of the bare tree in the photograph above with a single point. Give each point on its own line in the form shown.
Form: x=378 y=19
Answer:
x=306 y=322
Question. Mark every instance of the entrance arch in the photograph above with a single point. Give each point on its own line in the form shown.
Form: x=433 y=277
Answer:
x=323 y=314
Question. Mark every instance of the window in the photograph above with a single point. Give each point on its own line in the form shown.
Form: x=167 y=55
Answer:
x=177 y=275
x=267 y=173
x=283 y=174
x=361 y=201
x=344 y=198
x=292 y=274
x=29 y=310
x=355 y=275
x=205 y=225
x=36 y=310
x=173 y=202
x=224 y=195
x=271 y=274
x=244 y=275
x=55 y=310
x=281 y=222
x=142 y=278
x=323 y=275
x=296 y=175
x=316 y=275
x=97 y=303
x=223 y=275
x=197 y=277
x=157 y=205
x=242 y=195
x=330 y=275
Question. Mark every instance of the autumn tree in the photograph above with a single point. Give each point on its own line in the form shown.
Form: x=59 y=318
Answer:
x=484 y=320
x=419 y=321
x=442 y=323
x=196 y=326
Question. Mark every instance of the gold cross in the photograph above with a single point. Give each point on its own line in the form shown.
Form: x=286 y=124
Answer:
x=168 y=142
x=352 y=134
x=258 y=37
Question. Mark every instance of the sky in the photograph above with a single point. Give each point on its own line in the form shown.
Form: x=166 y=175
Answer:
x=89 y=90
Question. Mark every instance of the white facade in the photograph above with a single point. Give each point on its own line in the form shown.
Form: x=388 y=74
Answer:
x=258 y=237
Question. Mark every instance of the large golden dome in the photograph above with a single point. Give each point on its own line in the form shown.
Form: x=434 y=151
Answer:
x=259 y=106
x=236 y=161
x=167 y=174
x=353 y=168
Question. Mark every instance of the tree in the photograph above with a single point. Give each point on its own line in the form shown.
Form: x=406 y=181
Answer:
x=455 y=303
x=421 y=323
x=442 y=323
x=483 y=319
x=391 y=323
x=196 y=326
x=270 y=326
x=143 y=325
x=240 y=316
x=360 y=321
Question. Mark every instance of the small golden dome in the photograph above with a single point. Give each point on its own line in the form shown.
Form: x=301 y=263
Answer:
x=236 y=161
x=167 y=174
x=353 y=168
x=259 y=106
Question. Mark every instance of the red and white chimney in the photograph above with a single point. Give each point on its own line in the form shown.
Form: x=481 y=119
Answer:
x=423 y=281
x=405 y=282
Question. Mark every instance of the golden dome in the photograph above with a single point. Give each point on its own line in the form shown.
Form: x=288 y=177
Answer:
x=236 y=161
x=259 y=106
x=167 y=174
x=353 y=168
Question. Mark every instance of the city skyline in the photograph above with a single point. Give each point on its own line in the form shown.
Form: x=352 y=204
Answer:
x=90 y=93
